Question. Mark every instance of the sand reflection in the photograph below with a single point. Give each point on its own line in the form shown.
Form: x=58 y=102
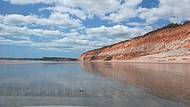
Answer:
x=164 y=80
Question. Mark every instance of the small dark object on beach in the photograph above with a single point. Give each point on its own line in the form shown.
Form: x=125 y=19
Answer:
x=81 y=90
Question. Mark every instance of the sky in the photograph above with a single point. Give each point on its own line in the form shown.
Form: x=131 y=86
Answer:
x=67 y=28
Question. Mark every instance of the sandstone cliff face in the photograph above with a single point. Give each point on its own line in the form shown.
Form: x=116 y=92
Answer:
x=168 y=42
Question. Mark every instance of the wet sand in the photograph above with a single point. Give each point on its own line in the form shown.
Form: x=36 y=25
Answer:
x=94 y=84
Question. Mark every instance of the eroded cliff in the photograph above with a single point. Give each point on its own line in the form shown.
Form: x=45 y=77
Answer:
x=171 y=43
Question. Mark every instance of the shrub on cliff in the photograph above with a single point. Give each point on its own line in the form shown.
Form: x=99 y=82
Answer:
x=108 y=58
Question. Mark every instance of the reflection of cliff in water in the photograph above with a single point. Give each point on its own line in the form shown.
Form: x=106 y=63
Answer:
x=164 y=80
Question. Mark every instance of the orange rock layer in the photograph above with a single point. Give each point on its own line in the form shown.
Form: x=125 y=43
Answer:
x=171 y=37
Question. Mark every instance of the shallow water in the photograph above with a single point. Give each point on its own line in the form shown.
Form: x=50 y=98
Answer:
x=94 y=84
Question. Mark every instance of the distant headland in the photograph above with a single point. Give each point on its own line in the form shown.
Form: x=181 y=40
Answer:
x=42 y=59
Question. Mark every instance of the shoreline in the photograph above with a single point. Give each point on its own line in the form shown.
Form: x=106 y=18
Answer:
x=182 y=58
x=2 y=61
x=95 y=61
x=133 y=61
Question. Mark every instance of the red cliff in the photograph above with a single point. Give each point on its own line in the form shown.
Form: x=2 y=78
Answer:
x=170 y=43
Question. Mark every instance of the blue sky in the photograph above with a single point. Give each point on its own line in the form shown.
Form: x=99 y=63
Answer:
x=67 y=28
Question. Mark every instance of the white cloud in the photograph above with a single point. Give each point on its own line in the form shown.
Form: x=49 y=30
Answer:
x=125 y=12
x=83 y=8
x=6 y=30
x=102 y=36
x=117 y=12
x=98 y=7
x=55 y=19
x=172 y=10
x=60 y=41
x=72 y=14
x=74 y=38
x=22 y=2
x=4 y=41
x=113 y=10
x=81 y=14
x=117 y=30
x=63 y=19
x=71 y=42
x=122 y=15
